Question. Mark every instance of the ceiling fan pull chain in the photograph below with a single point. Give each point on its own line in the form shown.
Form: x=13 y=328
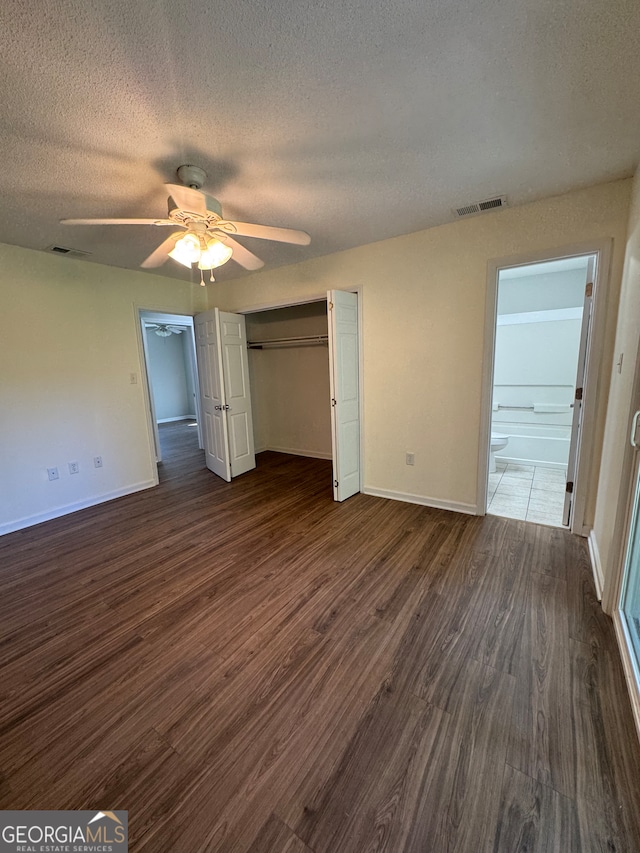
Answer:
x=211 y=278
x=202 y=284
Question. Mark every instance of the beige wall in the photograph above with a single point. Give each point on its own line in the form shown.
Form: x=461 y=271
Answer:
x=69 y=344
x=615 y=472
x=290 y=386
x=67 y=349
x=423 y=303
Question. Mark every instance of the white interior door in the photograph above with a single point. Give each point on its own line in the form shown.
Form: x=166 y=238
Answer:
x=345 y=392
x=237 y=397
x=211 y=381
x=576 y=423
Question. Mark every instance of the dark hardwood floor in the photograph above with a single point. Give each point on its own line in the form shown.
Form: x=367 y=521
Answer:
x=253 y=667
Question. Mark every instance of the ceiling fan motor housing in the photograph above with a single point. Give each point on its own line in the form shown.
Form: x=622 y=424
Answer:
x=192 y=176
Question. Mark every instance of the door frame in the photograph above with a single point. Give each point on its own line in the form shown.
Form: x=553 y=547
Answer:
x=611 y=594
x=602 y=250
x=322 y=297
x=158 y=315
x=612 y=590
x=629 y=661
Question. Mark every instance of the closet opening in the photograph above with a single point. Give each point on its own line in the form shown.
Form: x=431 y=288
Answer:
x=289 y=375
x=284 y=379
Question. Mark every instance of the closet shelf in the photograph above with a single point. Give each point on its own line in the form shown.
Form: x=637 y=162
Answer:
x=307 y=340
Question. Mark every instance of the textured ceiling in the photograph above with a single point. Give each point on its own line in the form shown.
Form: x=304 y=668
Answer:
x=354 y=120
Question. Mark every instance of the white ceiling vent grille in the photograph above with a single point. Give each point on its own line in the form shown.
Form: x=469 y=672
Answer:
x=481 y=206
x=67 y=252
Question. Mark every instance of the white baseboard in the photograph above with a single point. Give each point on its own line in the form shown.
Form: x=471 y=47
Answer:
x=632 y=677
x=436 y=503
x=596 y=565
x=67 y=509
x=179 y=418
x=295 y=451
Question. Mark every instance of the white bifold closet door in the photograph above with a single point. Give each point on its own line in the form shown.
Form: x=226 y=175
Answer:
x=345 y=392
x=225 y=398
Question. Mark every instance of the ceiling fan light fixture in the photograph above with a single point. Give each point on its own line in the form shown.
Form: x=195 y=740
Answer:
x=186 y=250
x=215 y=254
x=200 y=216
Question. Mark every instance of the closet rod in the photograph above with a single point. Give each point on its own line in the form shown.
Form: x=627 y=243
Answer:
x=279 y=342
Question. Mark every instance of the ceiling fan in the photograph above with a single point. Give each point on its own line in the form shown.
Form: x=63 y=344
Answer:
x=205 y=236
x=164 y=329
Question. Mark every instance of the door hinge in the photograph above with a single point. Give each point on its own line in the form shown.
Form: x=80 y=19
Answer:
x=588 y=291
x=569 y=488
x=336 y=483
x=578 y=393
x=330 y=306
x=334 y=402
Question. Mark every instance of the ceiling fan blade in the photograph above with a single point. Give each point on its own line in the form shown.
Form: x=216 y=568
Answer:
x=266 y=232
x=187 y=198
x=157 y=258
x=241 y=255
x=175 y=329
x=117 y=222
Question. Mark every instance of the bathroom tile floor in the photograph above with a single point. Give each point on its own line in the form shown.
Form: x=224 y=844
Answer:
x=528 y=492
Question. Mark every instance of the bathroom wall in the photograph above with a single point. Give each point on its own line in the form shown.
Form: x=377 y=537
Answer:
x=535 y=370
x=537 y=340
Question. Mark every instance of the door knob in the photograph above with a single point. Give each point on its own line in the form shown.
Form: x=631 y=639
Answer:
x=218 y=408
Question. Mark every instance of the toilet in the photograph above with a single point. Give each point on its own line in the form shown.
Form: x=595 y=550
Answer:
x=498 y=442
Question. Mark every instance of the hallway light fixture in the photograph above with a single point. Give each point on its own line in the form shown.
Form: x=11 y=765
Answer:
x=164 y=330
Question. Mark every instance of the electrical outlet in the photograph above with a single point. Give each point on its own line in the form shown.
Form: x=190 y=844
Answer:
x=410 y=459
x=74 y=468
x=53 y=474
x=97 y=461
x=133 y=378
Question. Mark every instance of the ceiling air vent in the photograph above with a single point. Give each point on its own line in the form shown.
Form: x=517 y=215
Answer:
x=481 y=206
x=69 y=253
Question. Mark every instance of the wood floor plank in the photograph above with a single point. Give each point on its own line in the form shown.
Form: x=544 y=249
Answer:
x=542 y=729
x=253 y=667
x=300 y=724
x=535 y=819
x=276 y=836
x=460 y=802
x=97 y=722
x=378 y=781
x=603 y=769
x=499 y=637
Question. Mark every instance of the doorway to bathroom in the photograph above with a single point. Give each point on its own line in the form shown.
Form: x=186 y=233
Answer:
x=541 y=317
